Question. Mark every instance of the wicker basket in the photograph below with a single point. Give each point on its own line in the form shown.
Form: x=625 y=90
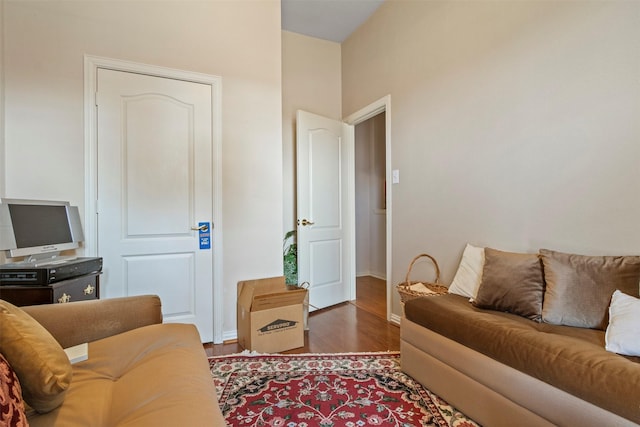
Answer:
x=409 y=290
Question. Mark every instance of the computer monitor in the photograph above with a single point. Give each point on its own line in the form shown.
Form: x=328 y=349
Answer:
x=38 y=229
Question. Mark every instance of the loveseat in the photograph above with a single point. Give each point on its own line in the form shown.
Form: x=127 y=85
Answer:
x=505 y=354
x=139 y=371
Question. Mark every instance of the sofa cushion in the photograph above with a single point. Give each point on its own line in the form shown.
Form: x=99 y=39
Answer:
x=151 y=376
x=41 y=364
x=511 y=282
x=579 y=287
x=568 y=358
x=469 y=274
x=623 y=333
x=11 y=403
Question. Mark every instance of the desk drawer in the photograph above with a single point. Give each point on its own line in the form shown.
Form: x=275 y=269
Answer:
x=76 y=289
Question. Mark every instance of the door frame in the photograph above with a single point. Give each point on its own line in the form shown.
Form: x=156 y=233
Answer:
x=91 y=65
x=381 y=105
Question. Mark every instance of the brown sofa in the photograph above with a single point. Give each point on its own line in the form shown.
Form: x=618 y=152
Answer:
x=502 y=369
x=139 y=372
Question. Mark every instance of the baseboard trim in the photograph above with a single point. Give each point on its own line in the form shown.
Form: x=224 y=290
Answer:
x=229 y=336
x=395 y=319
x=374 y=275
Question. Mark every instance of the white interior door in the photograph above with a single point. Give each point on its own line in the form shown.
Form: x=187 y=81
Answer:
x=154 y=161
x=325 y=212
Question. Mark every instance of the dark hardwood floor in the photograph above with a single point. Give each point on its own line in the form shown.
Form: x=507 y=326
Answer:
x=354 y=326
x=371 y=295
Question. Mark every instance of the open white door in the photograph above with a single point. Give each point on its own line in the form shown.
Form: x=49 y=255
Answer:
x=325 y=211
x=154 y=191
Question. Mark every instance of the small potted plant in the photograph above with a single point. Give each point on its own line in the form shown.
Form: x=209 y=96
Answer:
x=290 y=258
x=290 y=261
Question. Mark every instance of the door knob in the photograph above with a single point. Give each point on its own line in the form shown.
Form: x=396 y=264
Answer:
x=201 y=228
x=305 y=221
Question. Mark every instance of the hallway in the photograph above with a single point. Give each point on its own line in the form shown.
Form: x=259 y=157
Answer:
x=371 y=295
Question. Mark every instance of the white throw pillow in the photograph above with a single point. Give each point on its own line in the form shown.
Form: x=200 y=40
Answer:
x=623 y=332
x=469 y=275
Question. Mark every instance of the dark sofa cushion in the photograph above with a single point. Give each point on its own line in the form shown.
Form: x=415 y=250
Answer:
x=511 y=282
x=579 y=287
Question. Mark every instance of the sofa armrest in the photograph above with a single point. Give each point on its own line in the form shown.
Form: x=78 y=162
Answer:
x=85 y=321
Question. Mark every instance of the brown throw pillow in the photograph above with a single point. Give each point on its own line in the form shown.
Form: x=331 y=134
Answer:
x=11 y=404
x=579 y=287
x=511 y=282
x=41 y=364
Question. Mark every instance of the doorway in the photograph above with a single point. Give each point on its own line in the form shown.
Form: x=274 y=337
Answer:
x=373 y=208
x=370 y=212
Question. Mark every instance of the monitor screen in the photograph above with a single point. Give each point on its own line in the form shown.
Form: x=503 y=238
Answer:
x=38 y=228
x=39 y=225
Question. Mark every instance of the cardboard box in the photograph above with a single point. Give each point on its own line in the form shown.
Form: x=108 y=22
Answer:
x=270 y=316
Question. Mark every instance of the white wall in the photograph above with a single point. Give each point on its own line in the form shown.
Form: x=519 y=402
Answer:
x=370 y=166
x=362 y=171
x=238 y=40
x=515 y=125
x=311 y=81
x=378 y=223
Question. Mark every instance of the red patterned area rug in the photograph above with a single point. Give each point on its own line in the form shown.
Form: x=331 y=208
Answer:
x=351 y=390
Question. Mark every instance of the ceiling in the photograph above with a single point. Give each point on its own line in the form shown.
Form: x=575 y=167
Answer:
x=332 y=20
